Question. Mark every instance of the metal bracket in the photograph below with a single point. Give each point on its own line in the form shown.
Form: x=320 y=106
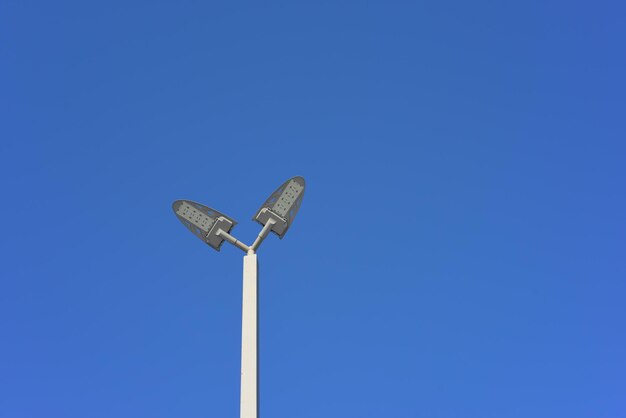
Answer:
x=279 y=225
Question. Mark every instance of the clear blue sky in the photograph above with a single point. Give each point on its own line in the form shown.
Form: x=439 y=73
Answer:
x=459 y=252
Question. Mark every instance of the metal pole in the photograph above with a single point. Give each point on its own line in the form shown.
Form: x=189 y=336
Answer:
x=249 y=338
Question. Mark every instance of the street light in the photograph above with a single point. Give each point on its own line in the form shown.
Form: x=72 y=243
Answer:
x=213 y=228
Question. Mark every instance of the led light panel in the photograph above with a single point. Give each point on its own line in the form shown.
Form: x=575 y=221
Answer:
x=193 y=215
x=287 y=198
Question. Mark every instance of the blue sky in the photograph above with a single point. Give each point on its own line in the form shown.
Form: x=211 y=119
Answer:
x=460 y=247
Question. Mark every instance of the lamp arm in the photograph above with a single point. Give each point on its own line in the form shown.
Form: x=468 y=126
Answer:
x=233 y=240
x=264 y=232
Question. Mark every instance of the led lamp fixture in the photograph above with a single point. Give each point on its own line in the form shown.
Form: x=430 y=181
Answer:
x=207 y=224
x=282 y=206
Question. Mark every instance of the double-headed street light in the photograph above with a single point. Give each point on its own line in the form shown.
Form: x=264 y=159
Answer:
x=212 y=227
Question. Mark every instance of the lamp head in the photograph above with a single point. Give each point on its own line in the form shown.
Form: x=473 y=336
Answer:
x=282 y=206
x=203 y=221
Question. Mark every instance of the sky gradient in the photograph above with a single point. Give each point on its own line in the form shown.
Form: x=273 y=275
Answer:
x=460 y=248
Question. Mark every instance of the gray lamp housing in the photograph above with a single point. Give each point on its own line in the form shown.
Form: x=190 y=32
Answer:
x=203 y=221
x=282 y=206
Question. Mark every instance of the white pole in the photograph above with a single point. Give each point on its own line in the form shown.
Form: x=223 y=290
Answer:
x=249 y=338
